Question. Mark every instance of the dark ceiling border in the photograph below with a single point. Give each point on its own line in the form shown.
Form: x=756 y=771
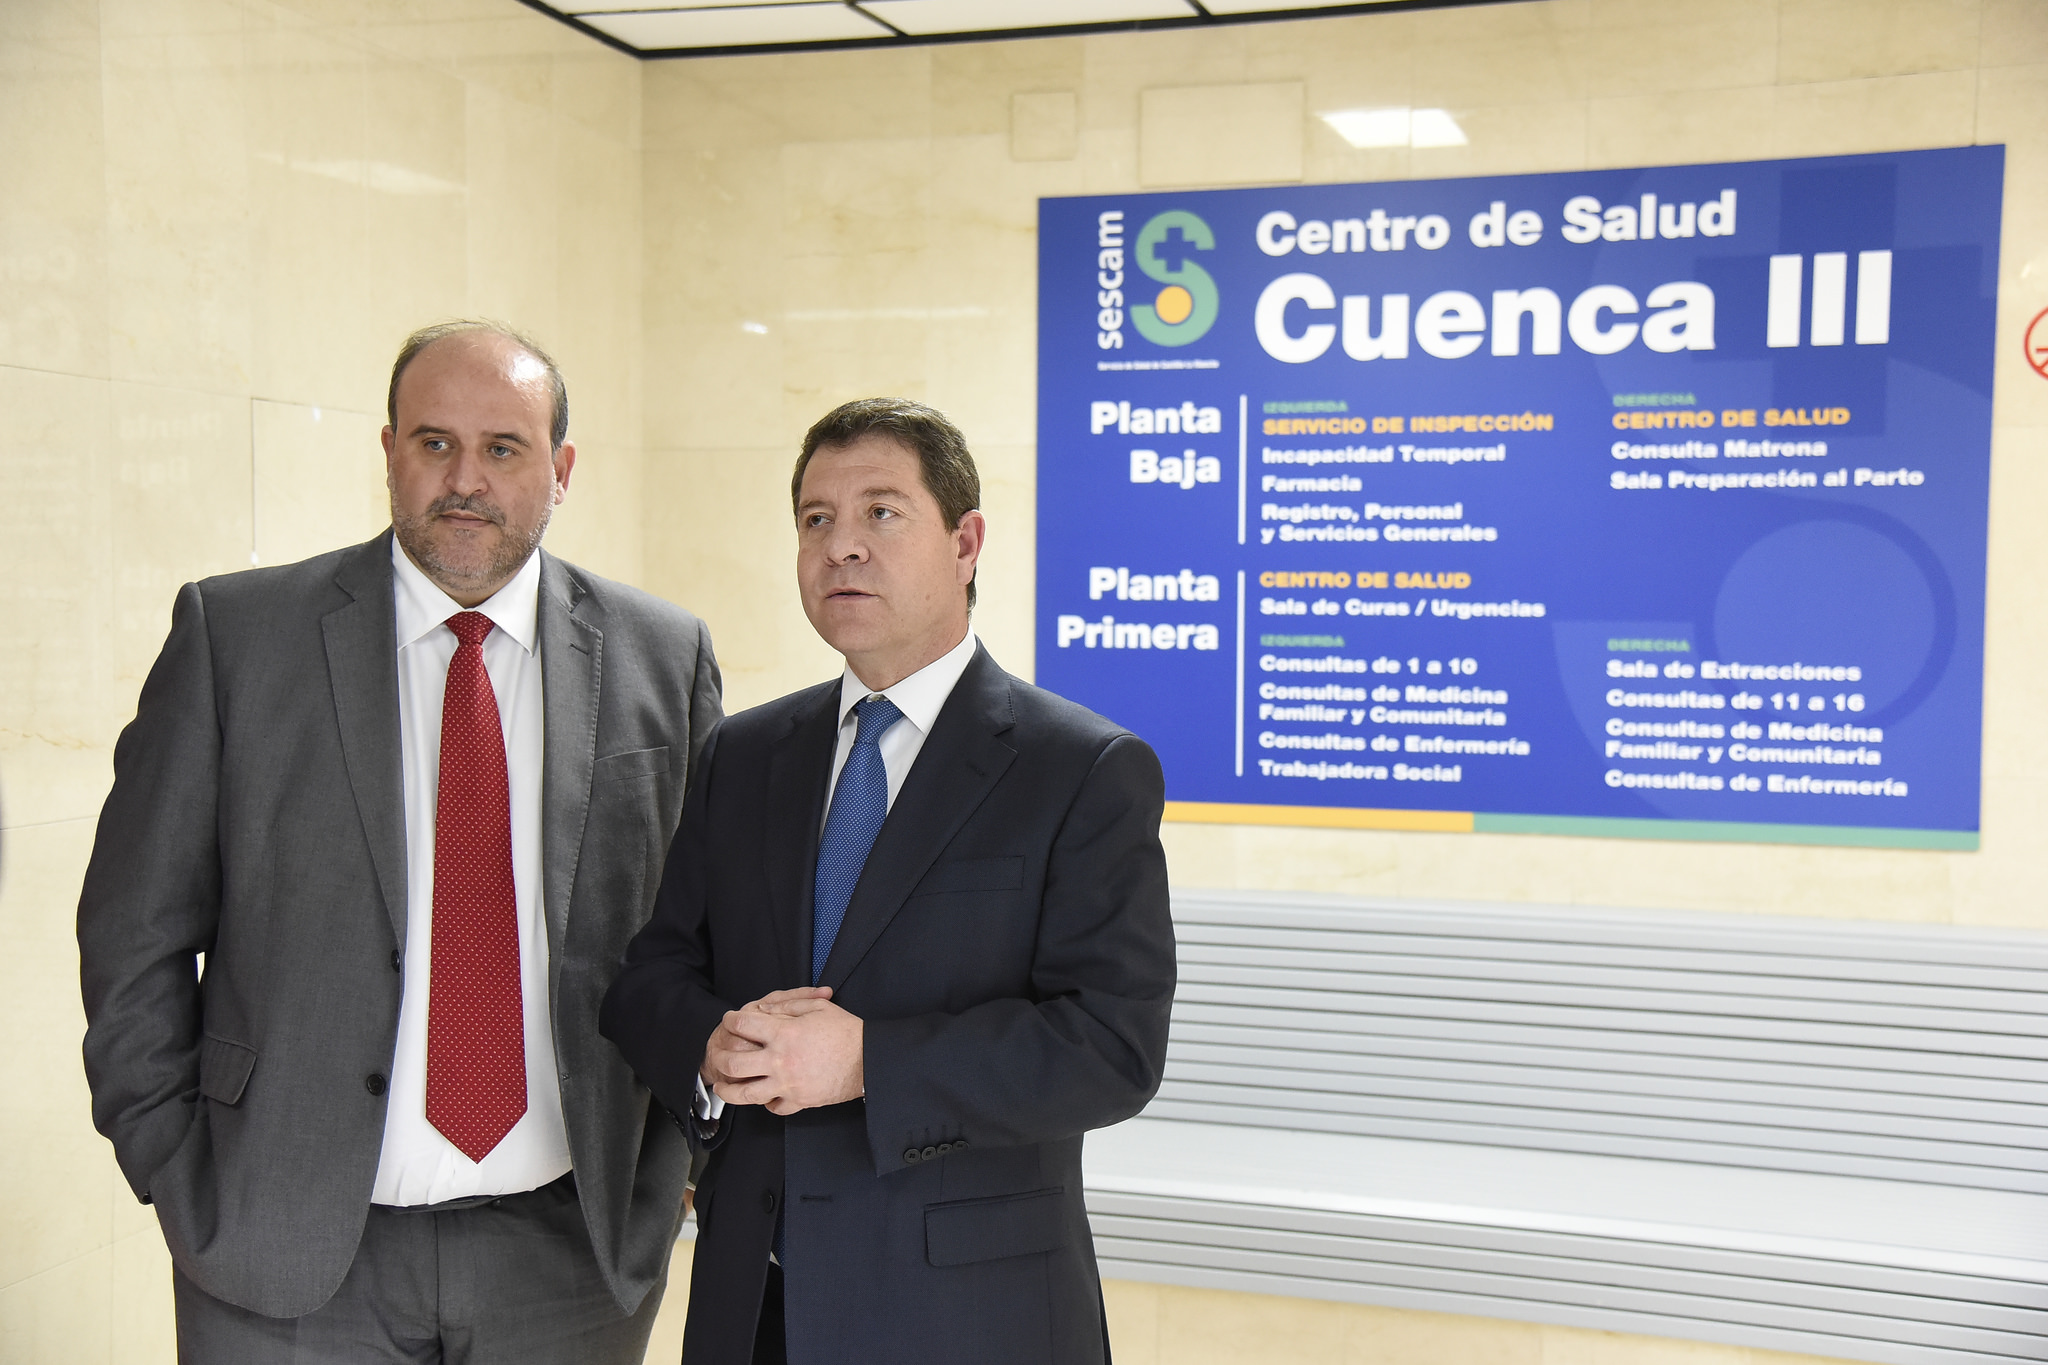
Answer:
x=1202 y=20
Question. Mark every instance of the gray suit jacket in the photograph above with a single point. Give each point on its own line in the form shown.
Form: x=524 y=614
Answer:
x=257 y=817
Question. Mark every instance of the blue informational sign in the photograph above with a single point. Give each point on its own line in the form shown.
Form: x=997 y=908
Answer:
x=1638 y=502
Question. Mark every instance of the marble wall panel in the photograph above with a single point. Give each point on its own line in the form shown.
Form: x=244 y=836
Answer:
x=1680 y=126
x=514 y=220
x=63 y=1313
x=601 y=524
x=853 y=96
x=57 y=655
x=139 y=1321
x=178 y=500
x=1504 y=54
x=309 y=177
x=1121 y=66
x=973 y=84
x=53 y=278
x=1044 y=126
x=2016 y=606
x=1004 y=580
x=1834 y=40
x=1369 y=65
x=1220 y=134
x=2013 y=34
x=319 y=479
x=1647 y=47
x=416 y=209
x=64 y=1212
x=177 y=170
x=596 y=337
x=1837 y=118
x=1509 y=138
x=2009 y=104
x=721 y=540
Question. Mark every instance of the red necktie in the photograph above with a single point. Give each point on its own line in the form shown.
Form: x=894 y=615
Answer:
x=476 y=1033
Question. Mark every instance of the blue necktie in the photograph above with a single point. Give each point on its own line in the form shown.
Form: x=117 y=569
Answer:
x=860 y=802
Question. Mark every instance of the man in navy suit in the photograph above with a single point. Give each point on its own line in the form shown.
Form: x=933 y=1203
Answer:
x=913 y=942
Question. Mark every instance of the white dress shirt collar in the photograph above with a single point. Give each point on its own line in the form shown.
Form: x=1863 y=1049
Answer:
x=922 y=695
x=514 y=609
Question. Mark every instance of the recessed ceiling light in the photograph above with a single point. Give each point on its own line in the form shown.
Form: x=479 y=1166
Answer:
x=1435 y=128
x=1396 y=127
x=737 y=26
x=1268 y=6
x=923 y=17
x=640 y=6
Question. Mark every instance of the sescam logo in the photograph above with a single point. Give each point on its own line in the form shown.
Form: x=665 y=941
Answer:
x=1185 y=309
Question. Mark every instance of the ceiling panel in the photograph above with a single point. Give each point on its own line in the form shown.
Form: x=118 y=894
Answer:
x=1275 y=6
x=737 y=26
x=588 y=7
x=695 y=27
x=922 y=18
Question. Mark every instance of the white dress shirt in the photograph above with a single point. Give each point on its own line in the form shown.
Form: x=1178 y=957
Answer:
x=417 y=1164
x=920 y=697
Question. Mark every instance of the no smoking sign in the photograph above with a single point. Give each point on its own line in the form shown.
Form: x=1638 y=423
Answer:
x=2037 y=343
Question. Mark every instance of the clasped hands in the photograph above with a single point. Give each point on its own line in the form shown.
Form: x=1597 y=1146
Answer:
x=789 y=1050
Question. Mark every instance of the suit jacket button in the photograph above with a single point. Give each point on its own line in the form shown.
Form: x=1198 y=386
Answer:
x=945 y=1148
x=959 y=1144
x=374 y=1082
x=912 y=1156
x=928 y=1153
x=397 y=961
x=768 y=1200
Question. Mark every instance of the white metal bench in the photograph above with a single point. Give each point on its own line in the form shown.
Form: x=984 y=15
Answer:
x=1804 y=1135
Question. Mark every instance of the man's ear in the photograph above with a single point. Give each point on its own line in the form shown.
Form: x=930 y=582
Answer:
x=565 y=465
x=969 y=537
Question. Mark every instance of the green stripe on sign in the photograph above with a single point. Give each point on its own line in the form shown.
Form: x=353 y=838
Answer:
x=1727 y=831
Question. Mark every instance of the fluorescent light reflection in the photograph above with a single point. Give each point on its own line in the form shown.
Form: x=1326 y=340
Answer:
x=1402 y=127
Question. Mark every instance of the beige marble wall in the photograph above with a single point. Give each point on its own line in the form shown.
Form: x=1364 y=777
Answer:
x=220 y=218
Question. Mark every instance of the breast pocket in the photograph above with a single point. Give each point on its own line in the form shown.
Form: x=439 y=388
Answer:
x=633 y=763
x=973 y=874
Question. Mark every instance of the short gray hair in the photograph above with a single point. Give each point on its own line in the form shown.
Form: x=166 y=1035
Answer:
x=558 y=428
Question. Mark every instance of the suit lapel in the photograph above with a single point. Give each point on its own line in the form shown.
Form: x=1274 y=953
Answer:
x=361 y=640
x=798 y=767
x=961 y=760
x=572 y=670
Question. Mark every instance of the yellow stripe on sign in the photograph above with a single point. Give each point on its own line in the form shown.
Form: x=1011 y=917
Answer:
x=1319 y=817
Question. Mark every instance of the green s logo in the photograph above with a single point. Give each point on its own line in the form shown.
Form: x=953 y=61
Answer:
x=1185 y=309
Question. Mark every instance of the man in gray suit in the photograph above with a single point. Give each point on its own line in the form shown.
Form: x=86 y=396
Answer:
x=406 y=802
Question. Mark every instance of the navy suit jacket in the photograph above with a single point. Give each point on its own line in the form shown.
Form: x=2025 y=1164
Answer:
x=1010 y=951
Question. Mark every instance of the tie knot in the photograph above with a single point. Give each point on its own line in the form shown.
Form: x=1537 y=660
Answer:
x=470 y=627
x=874 y=716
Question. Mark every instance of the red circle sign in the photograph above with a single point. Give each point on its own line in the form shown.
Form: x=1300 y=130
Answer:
x=2037 y=344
